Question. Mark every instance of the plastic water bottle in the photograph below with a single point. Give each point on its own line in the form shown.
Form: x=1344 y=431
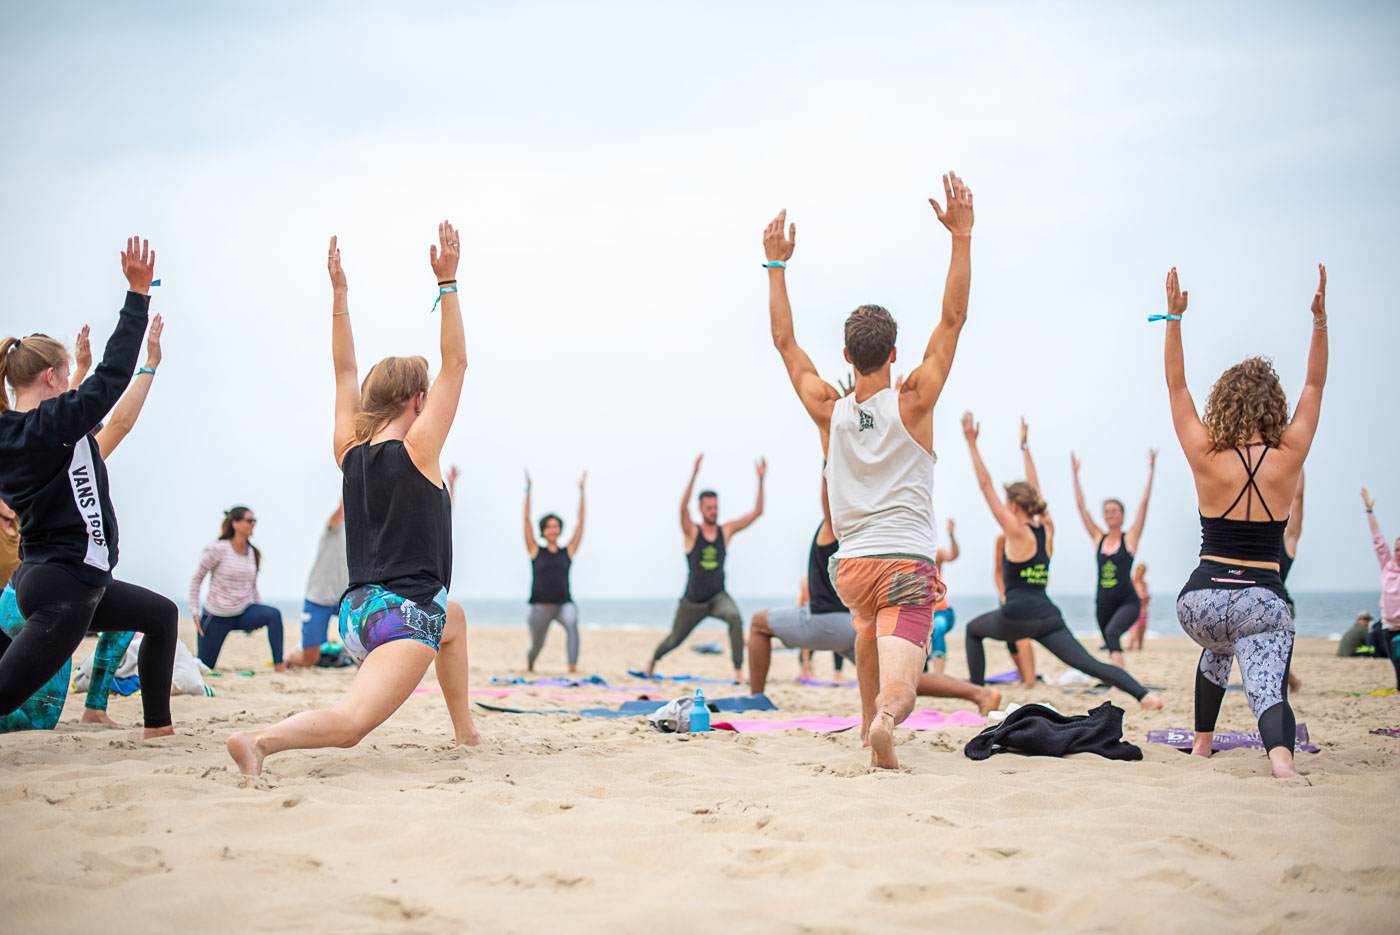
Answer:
x=699 y=714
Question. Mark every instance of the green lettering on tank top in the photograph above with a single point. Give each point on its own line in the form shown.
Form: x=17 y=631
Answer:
x=709 y=558
x=1038 y=575
x=1108 y=576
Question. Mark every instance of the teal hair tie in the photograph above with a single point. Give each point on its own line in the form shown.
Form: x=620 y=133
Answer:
x=441 y=292
x=1164 y=318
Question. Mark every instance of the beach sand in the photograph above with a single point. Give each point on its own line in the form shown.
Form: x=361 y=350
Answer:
x=559 y=823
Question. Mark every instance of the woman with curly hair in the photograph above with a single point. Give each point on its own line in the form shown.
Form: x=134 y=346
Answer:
x=1245 y=454
x=1027 y=613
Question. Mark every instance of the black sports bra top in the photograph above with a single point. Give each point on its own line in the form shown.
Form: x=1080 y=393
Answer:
x=1242 y=539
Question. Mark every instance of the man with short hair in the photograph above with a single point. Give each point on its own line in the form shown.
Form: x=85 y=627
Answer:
x=878 y=443
x=705 y=548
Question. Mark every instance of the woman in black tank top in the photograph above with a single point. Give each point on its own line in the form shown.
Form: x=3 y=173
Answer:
x=1027 y=612
x=550 y=597
x=1245 y=455
x=395 y=617
x=1115 y=599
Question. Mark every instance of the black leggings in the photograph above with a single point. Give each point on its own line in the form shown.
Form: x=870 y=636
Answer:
x=59 y=610
x=1116 y=617
x=1277 y=725
x=1383 y=641
x=1048 y=630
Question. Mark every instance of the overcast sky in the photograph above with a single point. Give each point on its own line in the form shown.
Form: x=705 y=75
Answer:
x=612 y=167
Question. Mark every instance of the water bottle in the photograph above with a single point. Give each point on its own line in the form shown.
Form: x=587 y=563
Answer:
x=699 y=714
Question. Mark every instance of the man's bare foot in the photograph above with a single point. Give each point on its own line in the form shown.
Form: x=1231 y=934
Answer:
x=990 y=701
x=882 y=742
x=243 y=747
x=1281 y=759
x=468 y=738
x=149 y=732
x=1150 y=703
x=94 y=716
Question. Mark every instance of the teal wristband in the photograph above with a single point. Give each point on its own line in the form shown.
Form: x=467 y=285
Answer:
x=150 y=370
x=1164 y=318
x=442 y=291
x=778 y=263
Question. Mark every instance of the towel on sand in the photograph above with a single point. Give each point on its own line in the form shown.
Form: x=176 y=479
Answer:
x=1035 y=730
x=1182 y=738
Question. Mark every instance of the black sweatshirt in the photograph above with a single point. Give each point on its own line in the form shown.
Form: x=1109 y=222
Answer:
x=1035 y=730
x=51 y=471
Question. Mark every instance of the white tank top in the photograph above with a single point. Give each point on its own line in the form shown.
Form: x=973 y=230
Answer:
x=879 y=480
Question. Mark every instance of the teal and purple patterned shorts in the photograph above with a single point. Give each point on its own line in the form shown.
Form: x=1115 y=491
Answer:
x=371 y=616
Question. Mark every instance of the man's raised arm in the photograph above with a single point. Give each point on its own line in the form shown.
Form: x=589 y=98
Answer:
x=924 y=385
x=816 y=395
x=688 y=524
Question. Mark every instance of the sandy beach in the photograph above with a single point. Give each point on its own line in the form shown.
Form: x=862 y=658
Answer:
x=604 y=826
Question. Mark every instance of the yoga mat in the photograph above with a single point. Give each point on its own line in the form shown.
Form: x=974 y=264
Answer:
x=1338 y=691
x=919 y=720
x=817 y=683
x=644 y=708
x=503 y=692
x=552 y=683
x=1001 y=678
x=1387 y=731
x=1182 y=738
x=638 y=673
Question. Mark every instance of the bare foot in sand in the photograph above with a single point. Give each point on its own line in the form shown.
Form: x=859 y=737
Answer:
x=167 y=731
x=243 y=747
x=882 y=743
x=279 y=666
x=1203 y=744
x=94 y=716
x=1150 y=703
x=469 y=739
x=651 y=669
x=1281 y=759
x=991 y=700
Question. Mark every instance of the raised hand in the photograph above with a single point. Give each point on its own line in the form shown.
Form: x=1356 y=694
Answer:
x=776 y=247
x=1074 y=462
x=452 y=474
x=698 y=459
x=581 y=480
x=970 y=428
x=1025 y=430
x=950 y=529
x=1152 y=459
x=1367 y=499
x=445 y=254
x=139 y=265
x=958 y=215
x=82 y=350
x=527 y=480
x=1319 y=302
x=153 y=342
x=333 y=264
x=761 y=467
x=847 y=386
x=1176 y=299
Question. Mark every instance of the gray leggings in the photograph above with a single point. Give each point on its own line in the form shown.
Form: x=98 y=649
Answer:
x=539 y=619
x=688 y=617
x=1253 y=625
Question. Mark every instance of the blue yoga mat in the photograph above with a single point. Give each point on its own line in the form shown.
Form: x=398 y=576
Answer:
x=643 y=708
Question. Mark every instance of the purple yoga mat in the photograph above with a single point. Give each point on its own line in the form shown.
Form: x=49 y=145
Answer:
x=1002 y=678
x=1182 y=738
x=817 y=683
x=919 y=720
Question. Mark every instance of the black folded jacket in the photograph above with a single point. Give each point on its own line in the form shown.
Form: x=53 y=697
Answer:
x=1035 y=730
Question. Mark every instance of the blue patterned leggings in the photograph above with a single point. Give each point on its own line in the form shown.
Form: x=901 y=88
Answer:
x=1253 y=624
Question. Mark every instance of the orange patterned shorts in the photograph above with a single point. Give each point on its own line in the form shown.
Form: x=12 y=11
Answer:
x=889 y=595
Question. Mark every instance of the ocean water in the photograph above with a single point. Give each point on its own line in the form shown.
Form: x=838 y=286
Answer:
x=1320 y=614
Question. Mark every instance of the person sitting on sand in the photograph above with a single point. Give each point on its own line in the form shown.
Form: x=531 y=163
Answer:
x=878 y=446
x=325 y=586
x=550 y=596
x=53 y=476
x=706 y=545
x=1245 y=455
x=1027 y=611
x=1356 y=638
x=396 y=618
x=232 y=563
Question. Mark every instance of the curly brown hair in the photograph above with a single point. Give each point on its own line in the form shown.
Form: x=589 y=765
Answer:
x=1247 y=398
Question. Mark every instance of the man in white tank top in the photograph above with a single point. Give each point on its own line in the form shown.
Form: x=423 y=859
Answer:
x=878 y=443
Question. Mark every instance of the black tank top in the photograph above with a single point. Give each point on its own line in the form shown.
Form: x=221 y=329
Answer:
x=1285 y=563
x=1115 y=579
x=1244 y=539
x=1025 y=582
x=398 y=526
x=819 y=587
x=551 y=577
x=706 y=560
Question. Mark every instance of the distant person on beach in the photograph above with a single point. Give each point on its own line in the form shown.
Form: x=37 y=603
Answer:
x=943 y=617
x=1116 y=601
x=1356 y=638
x=1022 y=651
x=1244 y=455
x=330 y=575
x=54 y=478
x=706 y=545
x=1137 y=636
x=878 y=445
x=232 y=563
x=1389 y=646
x=551 y=598
x=396 y=618
x=1027 y=612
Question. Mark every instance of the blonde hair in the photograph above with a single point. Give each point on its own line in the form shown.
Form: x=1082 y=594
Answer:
x=1246 y=399
x=1027 y=498
x=389 y=386
x=23 y=360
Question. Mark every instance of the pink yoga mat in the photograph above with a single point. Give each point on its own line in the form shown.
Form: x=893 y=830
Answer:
x=503 y=692
x=919 y=720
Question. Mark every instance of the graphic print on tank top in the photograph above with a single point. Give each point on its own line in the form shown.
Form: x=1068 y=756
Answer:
x=1114 y=569
x=706 y=561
